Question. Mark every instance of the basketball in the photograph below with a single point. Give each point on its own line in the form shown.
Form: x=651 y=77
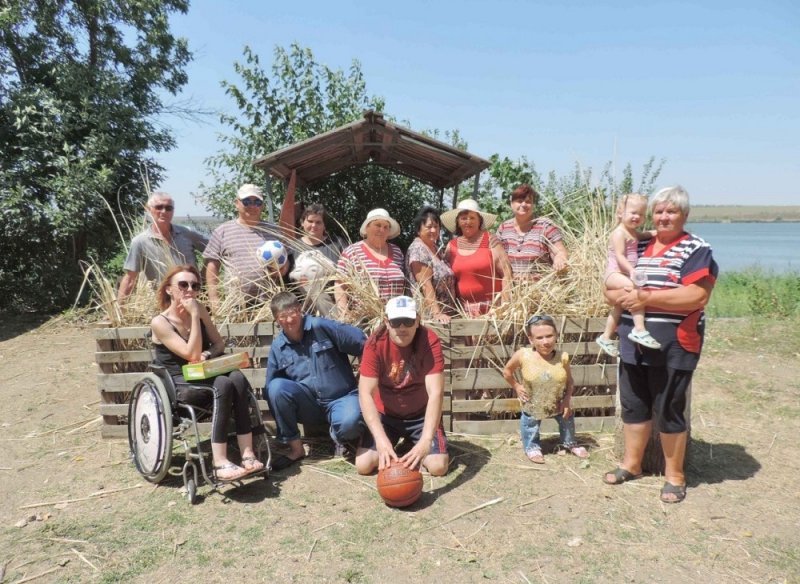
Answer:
x=399 y=486
x=272 y=252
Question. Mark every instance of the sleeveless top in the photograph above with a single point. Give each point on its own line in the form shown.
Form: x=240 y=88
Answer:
x=631 y=252
x=545 y=382
x=476 y=279
x=169 y=360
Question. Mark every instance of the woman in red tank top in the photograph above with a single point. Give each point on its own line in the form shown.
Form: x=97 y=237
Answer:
x=477 y=258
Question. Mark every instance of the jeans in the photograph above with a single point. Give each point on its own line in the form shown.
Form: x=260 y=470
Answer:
x=529 y=431
x=292 y=403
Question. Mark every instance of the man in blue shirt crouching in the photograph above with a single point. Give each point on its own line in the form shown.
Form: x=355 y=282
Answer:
x=309 y=377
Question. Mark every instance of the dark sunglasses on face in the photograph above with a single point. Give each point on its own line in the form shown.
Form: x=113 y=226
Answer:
x=164 y=207
x=183 y=285
x=252 y=202
x=398 y=322
x=537 y=318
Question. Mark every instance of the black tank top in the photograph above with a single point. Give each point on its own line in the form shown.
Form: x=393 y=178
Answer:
x=170 y=360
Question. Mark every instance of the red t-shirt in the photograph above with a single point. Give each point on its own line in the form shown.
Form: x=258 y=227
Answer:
x=401 y=371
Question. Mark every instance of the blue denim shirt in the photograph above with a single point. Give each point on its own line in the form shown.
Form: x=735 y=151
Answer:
x=320 y=360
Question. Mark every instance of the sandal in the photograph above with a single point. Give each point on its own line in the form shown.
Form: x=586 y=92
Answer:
x=282 y=462
x=672 y=493
x=229 y=466
x=609 y=347
x=535 y=455
x=645 y=339
x=252 y=464
x=620 y=476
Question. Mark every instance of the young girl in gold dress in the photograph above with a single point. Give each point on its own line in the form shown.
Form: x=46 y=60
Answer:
x=545 y=390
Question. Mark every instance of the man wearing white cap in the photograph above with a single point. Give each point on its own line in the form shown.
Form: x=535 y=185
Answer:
x=401 y=390
x=233 y=246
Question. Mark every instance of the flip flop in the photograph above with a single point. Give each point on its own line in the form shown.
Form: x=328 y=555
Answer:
x=229 y=466
x=678 y=492
x=620 y=476
x=251 y=464
x=282 y=462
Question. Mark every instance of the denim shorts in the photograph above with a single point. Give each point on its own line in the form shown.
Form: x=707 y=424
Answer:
x=410 y=429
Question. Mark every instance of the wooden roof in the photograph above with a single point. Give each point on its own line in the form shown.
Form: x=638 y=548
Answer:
x=373 y=140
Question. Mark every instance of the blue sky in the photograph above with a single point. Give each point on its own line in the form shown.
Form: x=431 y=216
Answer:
x=711 y=86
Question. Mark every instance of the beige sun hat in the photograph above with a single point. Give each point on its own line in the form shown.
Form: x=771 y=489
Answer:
x=382 y=214
x=449 y=218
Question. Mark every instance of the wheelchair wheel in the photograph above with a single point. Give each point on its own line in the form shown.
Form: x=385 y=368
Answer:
x=191 y=491
x=150 y=428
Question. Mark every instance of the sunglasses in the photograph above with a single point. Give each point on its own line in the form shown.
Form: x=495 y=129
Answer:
x=398 y=322
x=184 y=285
x=252 y=202
x=537 y=318
x=164 y=207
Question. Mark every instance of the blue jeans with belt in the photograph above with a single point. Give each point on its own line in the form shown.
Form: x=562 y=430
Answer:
x=292 y=403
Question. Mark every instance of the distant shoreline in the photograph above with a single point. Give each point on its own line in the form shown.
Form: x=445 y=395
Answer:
x=698 y=214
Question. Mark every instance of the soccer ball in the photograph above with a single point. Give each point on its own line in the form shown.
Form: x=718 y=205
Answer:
x=273 y=252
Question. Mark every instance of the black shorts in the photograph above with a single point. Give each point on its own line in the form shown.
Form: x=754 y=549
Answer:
x=654 y=393
x=410 y=429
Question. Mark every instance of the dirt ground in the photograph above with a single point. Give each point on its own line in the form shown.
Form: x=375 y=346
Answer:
x=75 y=509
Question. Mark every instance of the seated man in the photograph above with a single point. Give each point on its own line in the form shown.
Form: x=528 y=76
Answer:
x=401 y=392
x=309 y=377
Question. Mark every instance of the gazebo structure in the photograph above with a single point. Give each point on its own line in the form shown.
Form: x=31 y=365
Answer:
x=370 y=140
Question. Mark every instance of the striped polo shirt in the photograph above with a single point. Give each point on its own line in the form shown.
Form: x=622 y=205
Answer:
x=387 y=275
x=529 y=251
x=686 y=261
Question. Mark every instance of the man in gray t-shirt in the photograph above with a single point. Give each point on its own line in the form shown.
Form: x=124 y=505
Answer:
x=160 y=246
x=233 y=247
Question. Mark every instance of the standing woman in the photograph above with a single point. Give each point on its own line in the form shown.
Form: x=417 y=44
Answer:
x=477 y=258
x=653 y=383
x=315 y=263
x=374 y=258
x=531 y=243
x=427 y=269
x=183 y=333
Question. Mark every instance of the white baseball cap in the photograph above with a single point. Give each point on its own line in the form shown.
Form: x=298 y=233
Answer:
x=401 y=307
x=250 y=190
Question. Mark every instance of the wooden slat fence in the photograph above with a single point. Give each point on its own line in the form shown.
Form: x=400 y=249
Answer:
x=477 y=399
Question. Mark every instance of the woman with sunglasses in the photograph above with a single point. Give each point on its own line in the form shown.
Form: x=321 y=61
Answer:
x=183 y=333
x=545 y=390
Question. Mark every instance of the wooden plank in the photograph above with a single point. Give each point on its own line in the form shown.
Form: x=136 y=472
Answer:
x=583 y=375
x=122 y=409
x=121 y=430
x=495 y=351
x=122 y=382
x=549 y=426
x=227 y=330
x=145 y=356
x=579 y=402
x=565 y=325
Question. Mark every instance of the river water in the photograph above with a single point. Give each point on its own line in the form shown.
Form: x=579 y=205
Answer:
x=773 y=247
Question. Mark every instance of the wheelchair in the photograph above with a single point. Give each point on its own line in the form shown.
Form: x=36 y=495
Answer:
x=156 y=419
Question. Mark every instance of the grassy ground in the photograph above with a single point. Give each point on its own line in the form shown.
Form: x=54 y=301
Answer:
x=745 y=213
x=96 y=520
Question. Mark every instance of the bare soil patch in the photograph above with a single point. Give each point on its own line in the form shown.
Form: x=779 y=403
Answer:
x=321 y=522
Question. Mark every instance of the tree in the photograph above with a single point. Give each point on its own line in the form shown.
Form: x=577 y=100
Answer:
x=298 y=99
x=80 y=87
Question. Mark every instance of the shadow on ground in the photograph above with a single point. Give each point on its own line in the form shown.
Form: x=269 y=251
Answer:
x=15 y=324
x=711 y=463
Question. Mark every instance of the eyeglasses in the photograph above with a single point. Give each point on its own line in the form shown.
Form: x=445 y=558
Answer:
x=252 y=202
x=404 y=321
x=537 y=318
x=184 y=285
x=163 y=207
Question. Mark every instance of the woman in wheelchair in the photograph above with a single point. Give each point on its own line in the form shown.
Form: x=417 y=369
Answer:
x=183 y=332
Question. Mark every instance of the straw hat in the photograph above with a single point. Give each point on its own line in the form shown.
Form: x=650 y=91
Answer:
x=449 y=217
x=382 y=214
